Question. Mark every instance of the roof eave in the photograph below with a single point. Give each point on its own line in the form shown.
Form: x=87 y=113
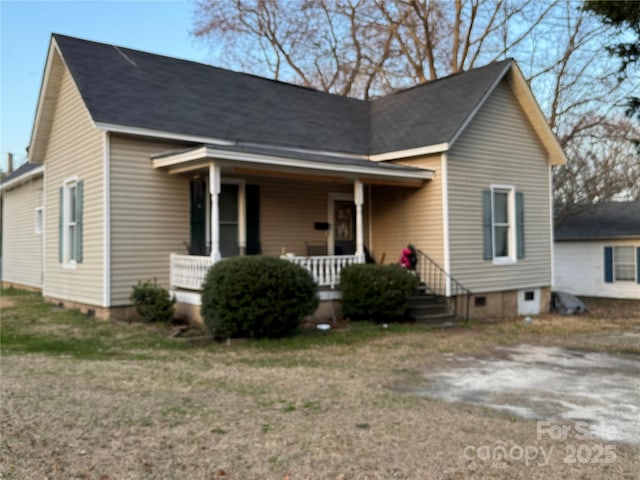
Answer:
x=34 y=145
x=204 y=153
x=14 y=182
x=601 y=238
x=410 y=152
x=532 y=110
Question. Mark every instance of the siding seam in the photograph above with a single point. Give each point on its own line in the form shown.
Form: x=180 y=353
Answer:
x=106 y=255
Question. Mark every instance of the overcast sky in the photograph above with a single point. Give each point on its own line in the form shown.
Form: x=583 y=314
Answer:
x=159 y=26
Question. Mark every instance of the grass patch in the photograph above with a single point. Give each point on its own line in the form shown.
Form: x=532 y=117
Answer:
x=33 y=326
x=354 y=334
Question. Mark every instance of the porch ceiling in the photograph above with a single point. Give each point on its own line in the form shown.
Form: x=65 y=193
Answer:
x=267 y=160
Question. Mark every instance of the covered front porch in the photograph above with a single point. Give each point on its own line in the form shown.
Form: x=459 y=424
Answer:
x=310 y=209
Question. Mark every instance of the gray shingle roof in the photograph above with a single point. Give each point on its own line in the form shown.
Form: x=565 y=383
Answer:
x=602 y=221
x=430 y=113
x=133 y=88
x=137 y=89
x=18 y=172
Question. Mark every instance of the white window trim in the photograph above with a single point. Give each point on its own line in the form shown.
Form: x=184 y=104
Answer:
x=614 y=263
x=512 y=257
x=67 y=263
x=39 y=221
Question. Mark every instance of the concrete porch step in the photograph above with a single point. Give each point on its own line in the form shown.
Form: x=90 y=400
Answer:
x=424 y=306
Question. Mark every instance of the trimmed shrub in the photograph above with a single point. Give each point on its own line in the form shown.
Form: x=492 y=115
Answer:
x=376 y=292
x=152 y=302
x=256 y=297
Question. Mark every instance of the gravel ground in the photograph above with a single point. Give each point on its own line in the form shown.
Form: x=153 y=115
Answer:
x=327 y=412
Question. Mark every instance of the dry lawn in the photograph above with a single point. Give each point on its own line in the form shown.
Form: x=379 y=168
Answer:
x=264 y=411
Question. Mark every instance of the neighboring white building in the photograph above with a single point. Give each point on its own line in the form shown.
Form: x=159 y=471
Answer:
x=597 y=252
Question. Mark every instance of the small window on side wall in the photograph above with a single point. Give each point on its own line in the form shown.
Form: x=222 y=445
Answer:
x=39 y=221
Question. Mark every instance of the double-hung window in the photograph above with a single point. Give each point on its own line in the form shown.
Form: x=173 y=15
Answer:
x=70 y=228
x=503 y=224
x=622 y=263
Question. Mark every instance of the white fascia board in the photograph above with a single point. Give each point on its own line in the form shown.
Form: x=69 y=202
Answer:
x=22 y=178
x=53 y=48
x=411 y=152
x=149 y=132
x=180 y=157
x=270 y=160
x=536 y=117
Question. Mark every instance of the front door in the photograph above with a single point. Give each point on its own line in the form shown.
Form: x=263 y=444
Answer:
x=344 y=227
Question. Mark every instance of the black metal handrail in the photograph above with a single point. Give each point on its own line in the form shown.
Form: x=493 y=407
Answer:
x=436 y=278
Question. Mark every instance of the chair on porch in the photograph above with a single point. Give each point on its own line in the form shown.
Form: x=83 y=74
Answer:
x=316 y=249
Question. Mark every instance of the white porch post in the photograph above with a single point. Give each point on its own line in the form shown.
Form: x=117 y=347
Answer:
x=358 y=199
x=242 y=218
x=214 y=191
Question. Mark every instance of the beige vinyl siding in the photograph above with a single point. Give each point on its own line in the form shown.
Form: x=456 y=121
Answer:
x=288 y=210
x=149 y=215
x=499 y=146
x=21 y=245
x=74 y=149
x=403 y=215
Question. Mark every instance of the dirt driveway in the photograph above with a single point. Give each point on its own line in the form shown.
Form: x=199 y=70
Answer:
x=599 y=390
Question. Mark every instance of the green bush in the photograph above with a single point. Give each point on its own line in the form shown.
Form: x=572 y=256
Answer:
x=152 y=302
x=376 y=292
x=256 y=297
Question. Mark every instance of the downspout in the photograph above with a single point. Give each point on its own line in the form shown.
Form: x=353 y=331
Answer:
x=445 y=222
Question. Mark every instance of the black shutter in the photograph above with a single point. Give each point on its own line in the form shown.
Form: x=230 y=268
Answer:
x=608 y=264
x=486 y=225
x=252 y=195
x=520 y=224
x=79 y=199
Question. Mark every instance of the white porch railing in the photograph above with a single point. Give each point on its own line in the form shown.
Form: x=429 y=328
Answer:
x=189 y=271
x=325 y=269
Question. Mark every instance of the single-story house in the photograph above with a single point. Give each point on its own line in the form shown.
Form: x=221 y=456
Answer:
x=156 y=167
x=597 y=251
